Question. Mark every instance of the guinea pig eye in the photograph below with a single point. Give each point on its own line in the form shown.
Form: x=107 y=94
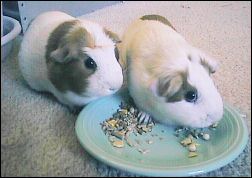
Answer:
x=191 y=96
x=90 y=63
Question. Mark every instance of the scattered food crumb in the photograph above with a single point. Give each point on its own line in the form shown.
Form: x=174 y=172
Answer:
x=192 y=147
x=143 y=151
x=149 y=141
x=122 y=124
x=189 y=135
x=186 y=141
x=118 y=144
x=192 y=154
x=206 y=136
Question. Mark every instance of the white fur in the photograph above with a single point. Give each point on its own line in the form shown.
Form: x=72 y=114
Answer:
x=106 y=80
x=150 y=50
x=106 y=76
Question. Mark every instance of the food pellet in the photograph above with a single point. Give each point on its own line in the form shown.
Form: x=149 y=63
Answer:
x=214 y=125
x=192 y=147
x=112 y=122
x=118 y=144
x=186 y=141
x=192 y=154
x=206 y=136
x=132 y=110
x=149 y=141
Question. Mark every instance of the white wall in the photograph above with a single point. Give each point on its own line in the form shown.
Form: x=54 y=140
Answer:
x=30 y=9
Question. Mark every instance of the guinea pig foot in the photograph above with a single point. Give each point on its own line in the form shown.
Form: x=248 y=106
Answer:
x=142 y=117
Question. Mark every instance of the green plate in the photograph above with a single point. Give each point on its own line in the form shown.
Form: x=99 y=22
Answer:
x=166 y=157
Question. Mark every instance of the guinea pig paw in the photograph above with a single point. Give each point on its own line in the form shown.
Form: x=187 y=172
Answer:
x=143 y=117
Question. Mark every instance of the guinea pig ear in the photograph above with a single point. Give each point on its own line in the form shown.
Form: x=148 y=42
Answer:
x=71 y=44
x=209 y=63
x=169 y=87
x=62 y=54
x=115 y=38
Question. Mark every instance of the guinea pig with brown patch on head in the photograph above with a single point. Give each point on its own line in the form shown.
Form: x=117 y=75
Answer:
x=169 y=79
x=74 y=59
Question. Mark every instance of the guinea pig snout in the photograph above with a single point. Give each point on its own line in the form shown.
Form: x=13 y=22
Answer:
x=214 y=117
x=209 y=118
x=115 y=82
x=114 y=87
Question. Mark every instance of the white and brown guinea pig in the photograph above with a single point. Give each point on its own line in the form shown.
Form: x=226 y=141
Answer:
x=74 y=59
x=168 y=78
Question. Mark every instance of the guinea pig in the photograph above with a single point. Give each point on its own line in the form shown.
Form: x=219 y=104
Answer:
x=74 y=59
x=169 y=79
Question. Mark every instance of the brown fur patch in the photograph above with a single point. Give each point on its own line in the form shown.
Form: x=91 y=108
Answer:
x=158 y=18
x=56 y=36
x=69 y=77
x=80 y=37
x=65 y=59
x=174 y=87
x=112 y=35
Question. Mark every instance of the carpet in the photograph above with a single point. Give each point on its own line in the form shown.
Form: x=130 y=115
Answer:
x=37 y=133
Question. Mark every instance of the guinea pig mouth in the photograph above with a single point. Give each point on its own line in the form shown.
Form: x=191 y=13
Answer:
x=113 y=89
x=107 y=91
x=208 y=120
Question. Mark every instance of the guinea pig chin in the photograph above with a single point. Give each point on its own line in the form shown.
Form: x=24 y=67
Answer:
x=208 y=120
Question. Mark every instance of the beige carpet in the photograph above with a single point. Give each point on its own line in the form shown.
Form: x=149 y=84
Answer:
x=37 y=133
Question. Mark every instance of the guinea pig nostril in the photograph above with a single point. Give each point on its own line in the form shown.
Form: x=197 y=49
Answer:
x=112 y=89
